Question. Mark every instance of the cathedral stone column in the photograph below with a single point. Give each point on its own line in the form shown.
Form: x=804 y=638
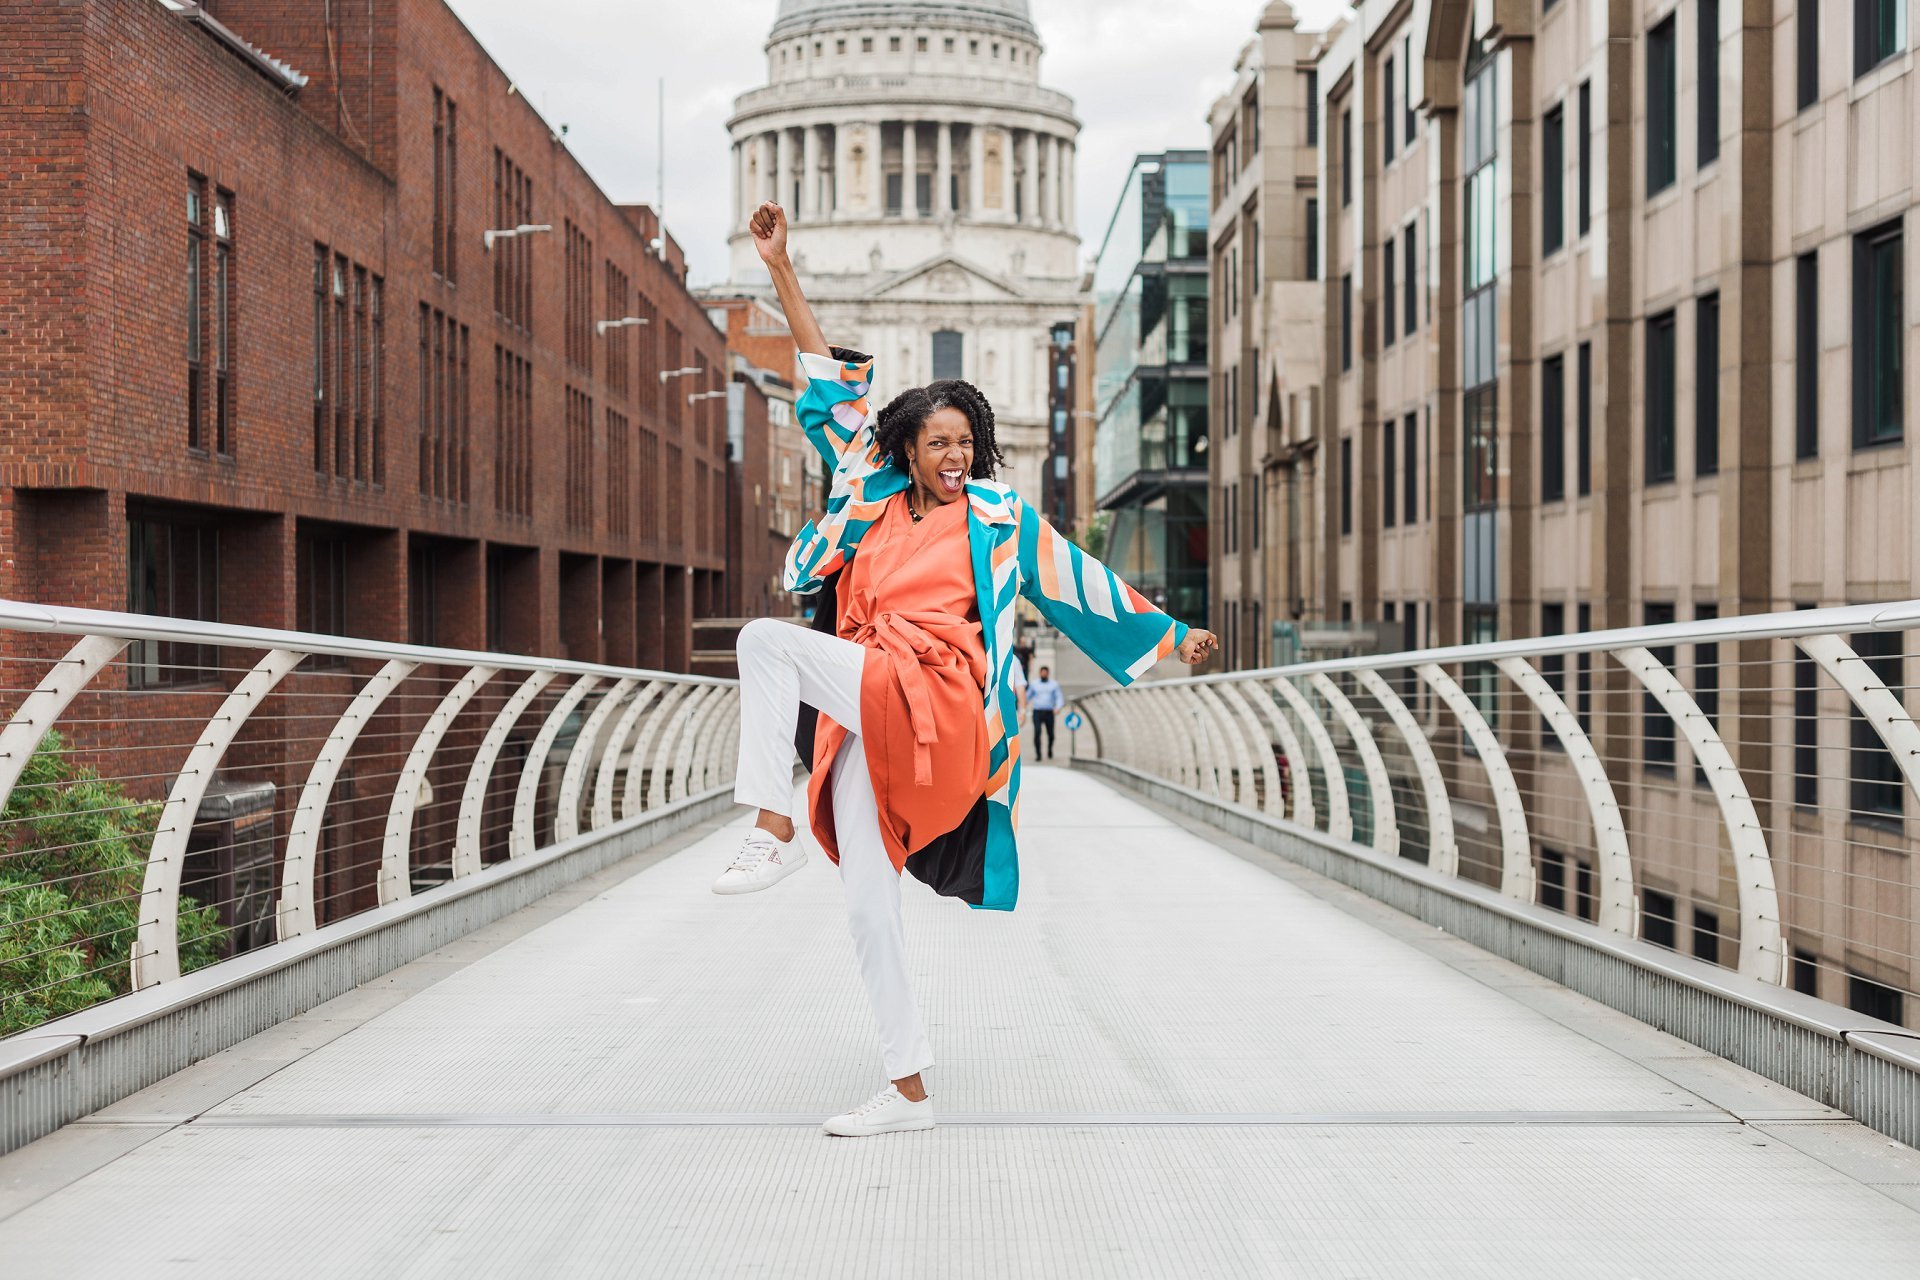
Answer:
x=768 y=189
x=810 y=173
x=739 y=189
x=876 y=178
x=909 y=170
x=842 y=168
x=1006 y=174
x=785 y=192
x=1030 y=182
x=1050 y=181
x=976 y=169
x=1069 y=216
x=943 y=168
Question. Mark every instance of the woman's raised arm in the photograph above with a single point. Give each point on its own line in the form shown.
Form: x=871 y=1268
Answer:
x=769 y=226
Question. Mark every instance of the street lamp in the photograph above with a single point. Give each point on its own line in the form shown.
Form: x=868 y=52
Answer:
x=623 y=322
x=680 y=373
x=491 y=234
x=705 y=395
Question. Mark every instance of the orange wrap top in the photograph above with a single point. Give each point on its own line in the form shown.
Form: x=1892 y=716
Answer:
x=908 y=599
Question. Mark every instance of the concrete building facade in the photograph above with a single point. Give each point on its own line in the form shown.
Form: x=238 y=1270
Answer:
x=1616 y=334
x=1266 y=350
x=928 y=178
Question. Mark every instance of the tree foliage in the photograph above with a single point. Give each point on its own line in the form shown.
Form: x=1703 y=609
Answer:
x=73 y=858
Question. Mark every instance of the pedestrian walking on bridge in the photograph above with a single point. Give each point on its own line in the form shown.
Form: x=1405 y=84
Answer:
x=1044 y=699
x=916 y=763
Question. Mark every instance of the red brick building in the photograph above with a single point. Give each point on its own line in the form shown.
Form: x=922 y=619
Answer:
x=258 y=364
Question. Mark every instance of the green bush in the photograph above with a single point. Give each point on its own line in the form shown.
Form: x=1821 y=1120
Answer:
x=73 y=856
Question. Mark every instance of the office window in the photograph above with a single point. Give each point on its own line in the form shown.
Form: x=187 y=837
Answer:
x=1313 y=239
x=1387 y=131
x=1806 y=356
x=1553 y=180
x=1660 y=399
x=1656 y=726
x=1879 y=334
x=1553 y=429
x=1388 y=294
x=446 y=183
x=1313 y=108
x=1657 y=918
x=1346 y=485
x=1346 y=322
x=1583 y=421
x=1662 y=100
x=320 y=581
x=1553 y=880
x=1585 y=904
x=1806 y=973
x=1406 y=75
x=1806 y=20
x=196 y=318
x=1553 y=666
x=1706 y=680
x=1706 y=386
x=1388 y=489
x=1410 y=442
x=1875 y=999
x=1583 y=671
x=1879 y=32
x=1706 y=936
x=1410 y=302
x=1806 y=727
x=173 y=571
x=1707 y=83
x=1346 y=157
x=1583 y=149
x=1877 y=786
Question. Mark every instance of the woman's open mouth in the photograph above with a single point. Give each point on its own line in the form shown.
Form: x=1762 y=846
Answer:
x=951 y=481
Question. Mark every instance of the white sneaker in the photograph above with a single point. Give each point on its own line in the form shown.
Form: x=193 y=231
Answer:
x=887 y=1112
x=762 y=863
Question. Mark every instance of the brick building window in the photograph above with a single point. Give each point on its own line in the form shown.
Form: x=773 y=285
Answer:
x=619 y=477
x=649 y=485
x=512 y=259
x=579 y=460
x=648 y=343
x=675 y=481
x=512 y=433
x=321 y=587
x=197 y=254
x=446 y=183
x=209 y=317
x=619 y=304
x=173 y=571
x=579 y=298
x=444 y=407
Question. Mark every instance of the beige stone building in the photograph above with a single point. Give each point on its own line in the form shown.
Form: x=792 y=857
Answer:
x=1266 y=327
x=1615 y=334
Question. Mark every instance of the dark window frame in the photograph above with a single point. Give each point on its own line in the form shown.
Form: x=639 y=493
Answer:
x=1553 y=428
x=1806 y=356
x=1707 y=83
x=1661 y=400
x=1583 y=421
x=1553 y=180
x=1706 y=385
x=1879 y=416
x=1663 y=102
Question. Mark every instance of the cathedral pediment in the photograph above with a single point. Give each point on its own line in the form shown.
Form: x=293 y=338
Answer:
x=946 y=278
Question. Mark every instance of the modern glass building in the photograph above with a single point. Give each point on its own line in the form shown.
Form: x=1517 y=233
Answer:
x=1150 y=381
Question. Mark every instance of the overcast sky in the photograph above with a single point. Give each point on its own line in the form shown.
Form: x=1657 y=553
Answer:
x=1141 y=73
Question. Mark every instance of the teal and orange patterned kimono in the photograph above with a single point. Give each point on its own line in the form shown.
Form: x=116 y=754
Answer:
x=1014 y=552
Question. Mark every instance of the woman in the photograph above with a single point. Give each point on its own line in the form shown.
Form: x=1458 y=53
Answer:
x=917 y=760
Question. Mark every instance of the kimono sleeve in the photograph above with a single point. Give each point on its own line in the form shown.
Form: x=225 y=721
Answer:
x=1105 y=618
x=834 y=410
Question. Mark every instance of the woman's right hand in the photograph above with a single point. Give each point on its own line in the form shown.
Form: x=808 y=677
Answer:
x=1197 y=647
x=769 y=226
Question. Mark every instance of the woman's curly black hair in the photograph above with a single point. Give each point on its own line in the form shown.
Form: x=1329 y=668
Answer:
x=899 y=423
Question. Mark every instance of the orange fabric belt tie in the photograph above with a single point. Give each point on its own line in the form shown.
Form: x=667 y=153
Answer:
x=911 y=642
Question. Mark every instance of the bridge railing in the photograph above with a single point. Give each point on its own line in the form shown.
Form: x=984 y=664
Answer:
x=176 y=793
x=1744 y=790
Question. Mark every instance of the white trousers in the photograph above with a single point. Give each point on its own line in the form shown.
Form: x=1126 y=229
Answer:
x=781 y=667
